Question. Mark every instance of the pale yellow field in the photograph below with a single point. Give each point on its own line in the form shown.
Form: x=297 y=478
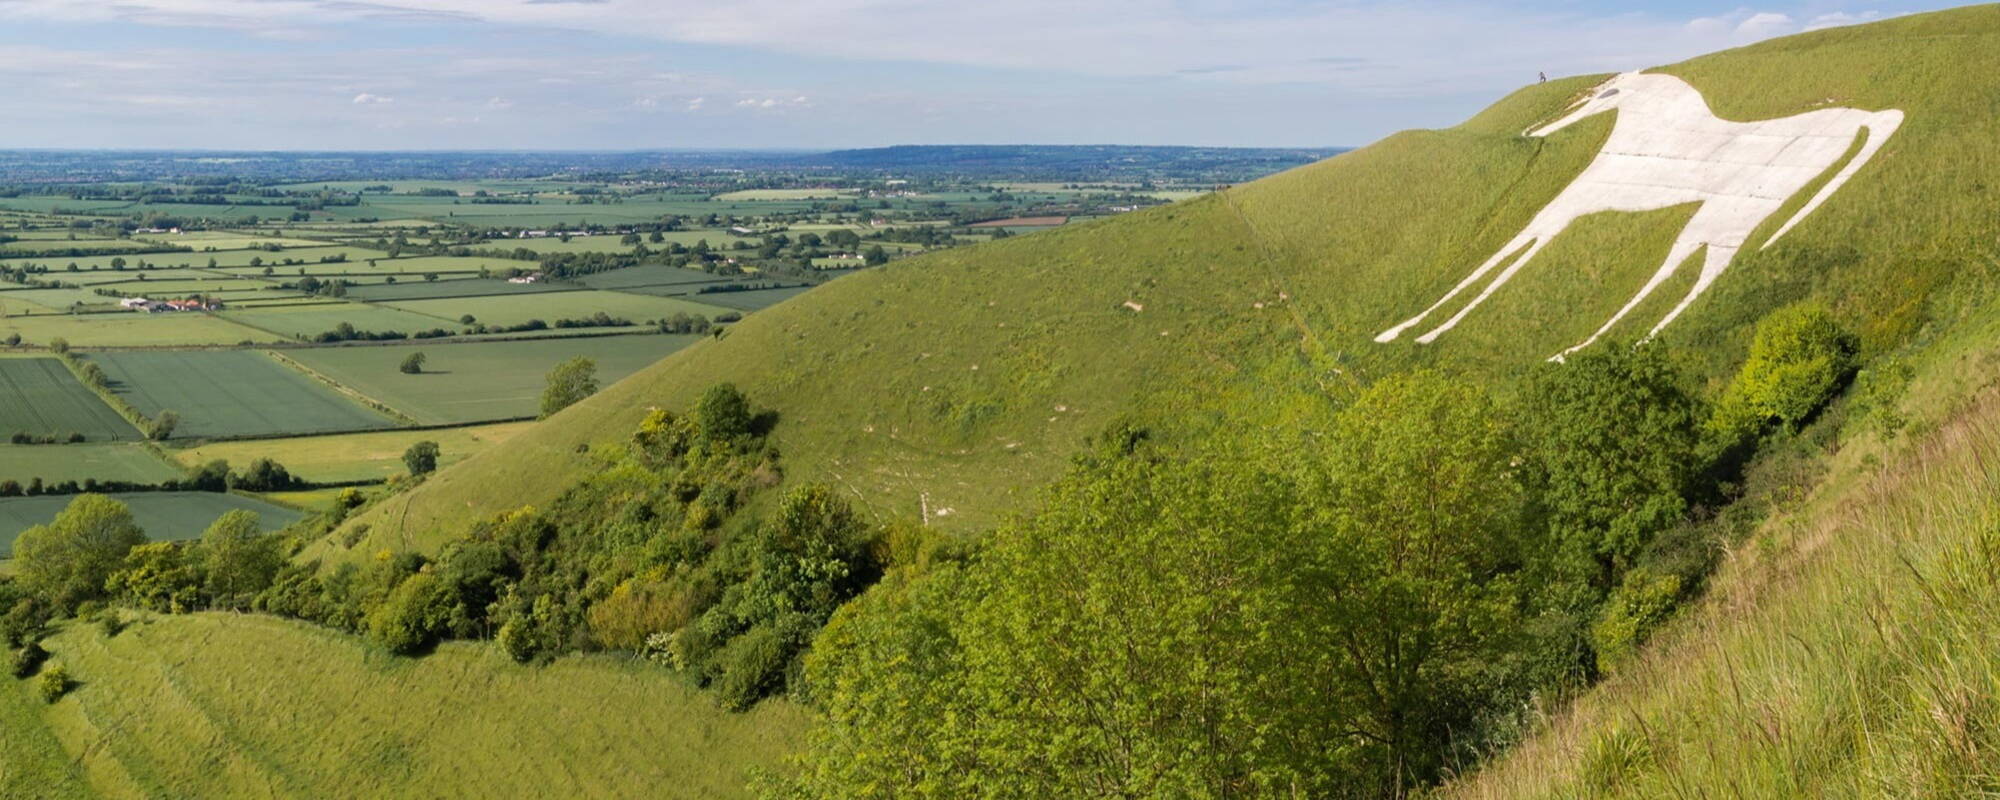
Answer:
x=353 y=456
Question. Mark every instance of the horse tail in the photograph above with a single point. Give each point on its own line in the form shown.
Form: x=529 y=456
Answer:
x=1880 y=126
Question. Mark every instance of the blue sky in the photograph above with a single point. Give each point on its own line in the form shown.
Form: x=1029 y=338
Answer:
x=641 y=74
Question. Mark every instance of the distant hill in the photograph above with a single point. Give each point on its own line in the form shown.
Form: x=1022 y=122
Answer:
x=1071 y=162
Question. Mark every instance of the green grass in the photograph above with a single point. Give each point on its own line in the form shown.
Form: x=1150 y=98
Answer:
x=349 y=457
x=278 y=708
x=199 y=259
x=650 y=275
x=751 y=300
x=1273 y=290
x=222 y=393
x=479 y=381
x=464 y=287
x=131 y=329
x=80 y=462
x=39 y=396
x=306 y=322
x=163 y=515
x=1850 y=648
x=513 y=310
x=785 y=194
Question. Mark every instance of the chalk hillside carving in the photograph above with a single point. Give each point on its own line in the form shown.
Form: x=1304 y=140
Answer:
x=1666 y=149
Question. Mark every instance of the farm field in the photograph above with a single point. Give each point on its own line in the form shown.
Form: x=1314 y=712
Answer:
x=464 y=287
x=81 y=462
x=310 y=256
x=39 y=396
x=353 y=456
x=228 y=393
x=480 y=381
x=380 y=726
x=305 y=322
x=648 y=275
x=561 y=305
x=163 y=515
x=59 y=299
x=785 y=194
x=129 y=329
x=749 y=300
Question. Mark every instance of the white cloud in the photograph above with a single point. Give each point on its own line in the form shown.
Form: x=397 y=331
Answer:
x=366 y=99
x=499 y=103
x=1765 y=25
x=1839 y=18
x=696 y=104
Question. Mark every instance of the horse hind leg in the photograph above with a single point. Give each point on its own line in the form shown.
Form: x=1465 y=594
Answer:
x=1509 y=249
x=1679 y=253
x=1499 y=281
x=1718 y=260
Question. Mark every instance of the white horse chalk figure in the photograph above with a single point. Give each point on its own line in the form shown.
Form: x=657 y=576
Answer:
x=1666 y=149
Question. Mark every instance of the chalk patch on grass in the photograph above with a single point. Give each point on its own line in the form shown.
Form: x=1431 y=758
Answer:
x=1667 y=149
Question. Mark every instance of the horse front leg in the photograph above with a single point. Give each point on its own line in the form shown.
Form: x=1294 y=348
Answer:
x=1682 y=249
x=1512 y=247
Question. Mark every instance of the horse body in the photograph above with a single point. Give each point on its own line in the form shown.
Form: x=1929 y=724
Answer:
x=1667 y=149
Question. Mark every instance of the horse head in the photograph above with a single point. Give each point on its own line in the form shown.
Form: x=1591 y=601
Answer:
x=1608 y=96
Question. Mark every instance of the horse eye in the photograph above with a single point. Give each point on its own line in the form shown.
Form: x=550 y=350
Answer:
x=1607 y=93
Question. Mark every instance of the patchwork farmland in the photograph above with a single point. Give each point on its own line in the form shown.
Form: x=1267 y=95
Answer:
x=209 y=341
x=44 y=399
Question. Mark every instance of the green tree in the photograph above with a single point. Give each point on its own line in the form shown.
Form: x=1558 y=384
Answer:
x=1136 y=637
x=569 y=382
x=1612 y=448
x=723 y=413
x=1799 y=359
x=240 y=560
x=875 y=256
x=413 y=364
x=163 y=426
x=421 y=458
x=67 y=561
x=1414 y=552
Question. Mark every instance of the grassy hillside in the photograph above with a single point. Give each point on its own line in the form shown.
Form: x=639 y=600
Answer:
x=1849 y=649
x=960 y=379
x=215 y=705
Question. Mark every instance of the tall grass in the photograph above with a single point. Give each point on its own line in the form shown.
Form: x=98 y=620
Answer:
x=1850 y=649
x=224 y=705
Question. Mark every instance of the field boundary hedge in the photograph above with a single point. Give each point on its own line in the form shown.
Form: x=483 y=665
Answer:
x=405 y=420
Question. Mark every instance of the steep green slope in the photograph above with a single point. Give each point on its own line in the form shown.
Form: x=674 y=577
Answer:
x=954 y=382
x=225 y=705
x=1850 y=649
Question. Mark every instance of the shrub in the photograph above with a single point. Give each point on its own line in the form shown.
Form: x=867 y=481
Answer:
x=1797 y=362
x=412 y=365
x=421 y=458
x=751 y=665
x=54 y=683
x=412 y=617
x=28 y=659
x=1640 y=604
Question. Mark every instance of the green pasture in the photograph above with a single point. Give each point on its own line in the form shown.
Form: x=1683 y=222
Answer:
x=26 y=247
x=225 y=240
x=163 y=515
x=751 y=300
x=222 y=258
x=280 y=708
x=477 y=381
x=80 y=462
x=511 y=310
x=39 y=396
x=226 y=393
x=463 y=287
x=305 y=322
x=349 y=456
x=132 y=329
x=649 y=275
x=59 y=299
x=786 y=194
